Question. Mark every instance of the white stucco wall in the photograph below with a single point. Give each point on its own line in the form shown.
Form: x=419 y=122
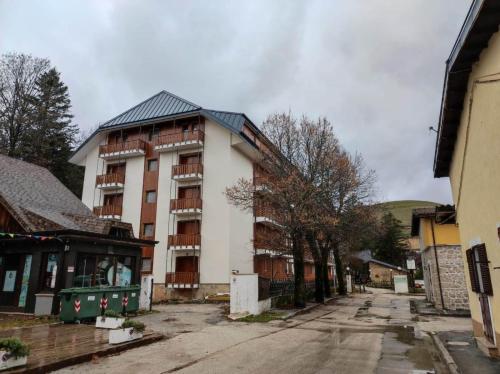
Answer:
x=92 y=165
x=132 y=193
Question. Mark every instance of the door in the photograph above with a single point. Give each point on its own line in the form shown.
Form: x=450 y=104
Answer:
x=189 y=192
x=485 y=311
x=116 y=169
x=186 y=264
x=188 y=227
x=115 y=200
x=190 y=159
x=10 y=282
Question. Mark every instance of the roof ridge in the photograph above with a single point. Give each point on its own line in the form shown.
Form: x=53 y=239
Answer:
x=180 y=98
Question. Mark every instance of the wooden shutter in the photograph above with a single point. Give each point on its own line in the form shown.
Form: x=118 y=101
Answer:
x=472 y=271
x=485 y=270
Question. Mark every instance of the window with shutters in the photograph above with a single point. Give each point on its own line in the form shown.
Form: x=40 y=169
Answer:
x=479 y=271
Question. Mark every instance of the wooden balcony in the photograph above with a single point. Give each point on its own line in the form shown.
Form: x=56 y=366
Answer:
x=132 y=148
x=184 y=241
x=266 y=215
x=183 y=280
x=108 y=211
x=110 y=181
x=187 y=172
x=179 y=140
x=185 y=206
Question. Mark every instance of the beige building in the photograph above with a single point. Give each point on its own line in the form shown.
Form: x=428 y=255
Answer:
x=164 y=165
x=442 y=262
x=468 y=152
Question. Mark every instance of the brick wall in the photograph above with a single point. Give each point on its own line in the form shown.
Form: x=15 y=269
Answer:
x=451 y=268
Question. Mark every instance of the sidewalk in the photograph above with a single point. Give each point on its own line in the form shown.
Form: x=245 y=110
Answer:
x=423 y=307
x=467 y=356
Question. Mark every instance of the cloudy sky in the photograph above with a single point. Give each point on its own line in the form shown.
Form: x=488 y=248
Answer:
x=374 y=68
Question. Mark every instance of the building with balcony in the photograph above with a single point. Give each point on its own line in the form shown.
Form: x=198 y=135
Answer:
x=164 y=165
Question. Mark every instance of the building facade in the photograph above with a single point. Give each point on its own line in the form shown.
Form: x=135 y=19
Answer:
x=49 y=240
x=468 y=152
x=441 y=254
x=164 y=165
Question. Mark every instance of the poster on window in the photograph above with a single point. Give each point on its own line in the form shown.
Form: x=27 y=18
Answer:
x=9 y=283
x=25 y=281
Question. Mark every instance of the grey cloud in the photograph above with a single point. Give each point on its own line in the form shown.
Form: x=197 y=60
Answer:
x=373 y=67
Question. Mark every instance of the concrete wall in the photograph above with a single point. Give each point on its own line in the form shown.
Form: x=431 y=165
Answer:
x=475 y=176
x=245 y=295
x=451 y=273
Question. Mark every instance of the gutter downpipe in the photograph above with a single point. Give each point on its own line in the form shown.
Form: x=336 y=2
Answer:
x=437 y=263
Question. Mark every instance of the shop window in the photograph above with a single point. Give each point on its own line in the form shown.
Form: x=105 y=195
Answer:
x=49 y=270
x=150 y=197
x=92 y=270
x=124 y=271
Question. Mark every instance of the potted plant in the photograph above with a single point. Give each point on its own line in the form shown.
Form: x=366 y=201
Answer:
x=129 y=330
x=110 y=320
x=13 y=352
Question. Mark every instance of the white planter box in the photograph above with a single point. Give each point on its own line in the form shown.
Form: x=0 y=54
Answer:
x=123 y=335
x=108 y=322
x=7 y=363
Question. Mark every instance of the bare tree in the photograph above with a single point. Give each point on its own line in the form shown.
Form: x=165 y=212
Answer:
x=19 y=74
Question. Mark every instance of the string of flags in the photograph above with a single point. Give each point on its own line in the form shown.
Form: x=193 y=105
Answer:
x=36 y=237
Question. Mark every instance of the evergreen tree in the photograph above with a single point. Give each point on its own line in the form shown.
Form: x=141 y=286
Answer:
x=52 y=134
x=390 y=245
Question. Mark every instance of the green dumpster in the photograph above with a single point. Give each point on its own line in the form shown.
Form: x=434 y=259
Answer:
x=79 y=304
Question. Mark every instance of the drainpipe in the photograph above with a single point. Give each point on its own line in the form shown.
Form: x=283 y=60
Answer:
x=437 y=263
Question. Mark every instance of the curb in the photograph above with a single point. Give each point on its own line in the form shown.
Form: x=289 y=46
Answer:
x=309 y=308
x=445 y=355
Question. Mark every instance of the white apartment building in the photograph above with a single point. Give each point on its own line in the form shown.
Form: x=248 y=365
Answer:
x=163 y=166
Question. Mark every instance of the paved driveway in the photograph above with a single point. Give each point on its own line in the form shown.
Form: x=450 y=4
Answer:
x=369 y=333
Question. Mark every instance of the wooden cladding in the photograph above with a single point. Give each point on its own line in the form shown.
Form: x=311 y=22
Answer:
x=108 y=210
x=264 y=210
x=186 y=169
x=184 y=240
x=479 y=271
x=179 y=137
x=123 y=146
x=113 y=178
x=185 y=204
x=183 y=278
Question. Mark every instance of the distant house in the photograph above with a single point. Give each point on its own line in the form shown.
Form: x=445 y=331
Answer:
x=441 y=255
x=50 y=240
x=468 y=152
x=380 y=273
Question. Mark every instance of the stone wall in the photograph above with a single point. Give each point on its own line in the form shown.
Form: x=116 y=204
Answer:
x=451 y=269
x=162 y=293
x=382 y=274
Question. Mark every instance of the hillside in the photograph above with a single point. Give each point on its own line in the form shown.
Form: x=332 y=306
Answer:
x=402 y=209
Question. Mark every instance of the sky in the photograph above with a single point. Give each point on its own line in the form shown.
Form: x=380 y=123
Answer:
x=374 y=68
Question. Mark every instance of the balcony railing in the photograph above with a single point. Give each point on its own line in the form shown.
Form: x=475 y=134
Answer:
x=187 y=170
x=185 y=205
x=108 y=211
x=267 y=213
x=184 y=240
x=183 y=278
x=181 y=139
x=113 y=179
x=123 y=149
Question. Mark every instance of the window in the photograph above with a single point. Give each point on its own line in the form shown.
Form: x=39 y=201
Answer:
x=152 y=165
x=146 y=264
x=103 y=270
x=148 y=229
x=150 y=197
x=49 y=271
x=153 y=133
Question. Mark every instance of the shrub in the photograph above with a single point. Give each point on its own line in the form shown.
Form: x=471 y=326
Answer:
x=136 y=325
x=14 y=347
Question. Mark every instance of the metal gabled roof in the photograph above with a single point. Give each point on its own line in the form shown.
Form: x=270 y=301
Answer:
x=233 y=121
x=160 y=105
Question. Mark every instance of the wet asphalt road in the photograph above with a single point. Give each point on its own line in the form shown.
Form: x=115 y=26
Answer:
x=369 y=333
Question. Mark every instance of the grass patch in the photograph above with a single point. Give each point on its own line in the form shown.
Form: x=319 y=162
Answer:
x=264 y=317
x=10 y=322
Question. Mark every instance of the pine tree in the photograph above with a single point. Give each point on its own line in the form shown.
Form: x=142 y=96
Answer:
x=53 y=135
x=391 y=244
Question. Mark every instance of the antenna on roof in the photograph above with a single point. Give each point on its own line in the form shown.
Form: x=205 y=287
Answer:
x=431 y=128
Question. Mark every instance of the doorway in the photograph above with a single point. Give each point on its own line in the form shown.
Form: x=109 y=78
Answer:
x=11 y=273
